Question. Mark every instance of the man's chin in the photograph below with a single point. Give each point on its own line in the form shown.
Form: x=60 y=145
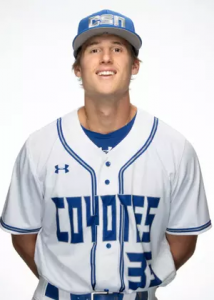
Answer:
x=106 y=93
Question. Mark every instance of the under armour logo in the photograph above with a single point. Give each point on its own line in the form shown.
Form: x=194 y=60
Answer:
x=65 y=168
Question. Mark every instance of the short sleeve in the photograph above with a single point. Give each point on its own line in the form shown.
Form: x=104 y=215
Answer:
x=22 y=212
x=189 y=214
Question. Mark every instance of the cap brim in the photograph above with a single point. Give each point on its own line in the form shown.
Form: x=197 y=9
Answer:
x=132 y=38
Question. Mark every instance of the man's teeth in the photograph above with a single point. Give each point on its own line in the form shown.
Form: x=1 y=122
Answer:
x=106 y=73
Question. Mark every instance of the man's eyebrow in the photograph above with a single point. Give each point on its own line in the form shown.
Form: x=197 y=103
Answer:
x=118 y=43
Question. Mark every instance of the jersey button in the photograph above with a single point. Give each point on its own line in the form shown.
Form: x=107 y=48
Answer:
x=107 y=181
x=108 y=245
x=108 y=163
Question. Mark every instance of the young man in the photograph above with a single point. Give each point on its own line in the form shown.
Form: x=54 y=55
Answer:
x=108 y=199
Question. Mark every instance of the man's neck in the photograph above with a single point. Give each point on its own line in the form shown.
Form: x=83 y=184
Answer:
x=106 y=116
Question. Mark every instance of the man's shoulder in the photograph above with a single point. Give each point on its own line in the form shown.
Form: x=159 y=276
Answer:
x=41 y=142
x=48 y=133
x=169 y=144
x=164 y=132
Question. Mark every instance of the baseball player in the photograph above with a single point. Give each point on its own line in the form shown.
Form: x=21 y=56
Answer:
x=105 y=202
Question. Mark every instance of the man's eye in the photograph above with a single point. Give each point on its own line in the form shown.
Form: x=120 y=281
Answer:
x=117 y=50
x=94 y=51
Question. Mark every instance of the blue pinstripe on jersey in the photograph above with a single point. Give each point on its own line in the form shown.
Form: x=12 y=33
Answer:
x=139 y=153
x=121 y=191
x=121 y=238
x=94 y=193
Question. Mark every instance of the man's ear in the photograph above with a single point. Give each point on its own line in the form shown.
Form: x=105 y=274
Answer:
x=135 y=67
x=77 y=71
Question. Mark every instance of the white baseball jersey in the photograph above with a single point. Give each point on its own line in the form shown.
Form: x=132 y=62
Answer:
x=101 y=218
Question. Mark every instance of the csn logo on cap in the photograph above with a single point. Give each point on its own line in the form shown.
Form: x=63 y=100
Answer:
x=106 y=19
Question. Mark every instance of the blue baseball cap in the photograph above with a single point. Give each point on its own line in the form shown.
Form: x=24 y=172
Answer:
x=106 y=21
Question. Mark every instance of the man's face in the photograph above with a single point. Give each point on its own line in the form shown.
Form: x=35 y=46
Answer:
x=106 y=66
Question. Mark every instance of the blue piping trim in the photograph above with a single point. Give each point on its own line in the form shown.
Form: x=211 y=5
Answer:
x=78 y=159
x=194 y=229
x=139 y=153
x=122 y=258
x=94 y=256
x=20 y=230
x=121 y=191
x=94 y=191
x=121 y=239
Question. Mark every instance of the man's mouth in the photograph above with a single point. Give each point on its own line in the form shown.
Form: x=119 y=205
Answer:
x=106 y=73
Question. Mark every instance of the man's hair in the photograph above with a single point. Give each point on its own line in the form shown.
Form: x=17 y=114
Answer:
x=80 y=51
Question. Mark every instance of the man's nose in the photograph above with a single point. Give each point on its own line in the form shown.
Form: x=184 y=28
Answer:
x=106 y=56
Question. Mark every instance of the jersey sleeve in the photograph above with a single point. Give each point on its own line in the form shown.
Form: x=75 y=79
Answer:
x=189 y=214
x=22 y=212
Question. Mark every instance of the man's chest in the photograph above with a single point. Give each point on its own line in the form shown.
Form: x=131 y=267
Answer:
x=106 y=198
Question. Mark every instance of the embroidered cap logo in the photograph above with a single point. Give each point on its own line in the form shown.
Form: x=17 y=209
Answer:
x=107 y=19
